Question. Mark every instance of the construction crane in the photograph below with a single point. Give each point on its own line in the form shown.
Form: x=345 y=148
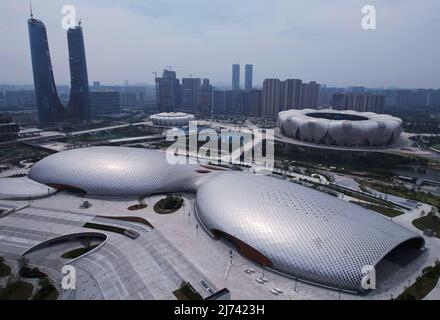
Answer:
x=170 y=67
x=155 y=86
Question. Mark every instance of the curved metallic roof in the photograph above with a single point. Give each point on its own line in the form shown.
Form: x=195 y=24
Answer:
x=114 y=172
x=359 y=129
x=172 y=119
x=304 y=233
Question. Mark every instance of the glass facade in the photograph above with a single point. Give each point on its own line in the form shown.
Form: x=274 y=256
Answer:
x=50 y=108
x=49 y=105
x=79 y=104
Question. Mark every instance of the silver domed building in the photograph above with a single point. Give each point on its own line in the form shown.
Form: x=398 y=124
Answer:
x=340 y=128
x=172 y=119
x=291 y=229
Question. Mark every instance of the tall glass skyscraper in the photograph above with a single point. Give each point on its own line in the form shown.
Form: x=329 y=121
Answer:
x=79 y=105
x=50 y=109
x=235 y=77
x=248 y=69
x=49 y=105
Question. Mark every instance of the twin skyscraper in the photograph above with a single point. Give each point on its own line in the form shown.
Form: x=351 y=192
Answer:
x=247 y=77
x=50 y=108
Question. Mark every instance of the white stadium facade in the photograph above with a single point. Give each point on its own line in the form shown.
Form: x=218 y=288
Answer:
x=340 y=127
x=172 y=119
x=296 y=231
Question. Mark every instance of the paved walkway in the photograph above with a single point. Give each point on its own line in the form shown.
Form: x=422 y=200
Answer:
x=153 y=265
x=149 y=267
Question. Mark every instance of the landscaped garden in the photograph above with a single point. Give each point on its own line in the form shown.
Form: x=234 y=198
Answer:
x=187 y=292
x=47 y=290
x=140 y=205
x=424 y=284
x=386 y=211
x=75 y=253
x=104 y=227
x=404 y=192
x=170 y=204
x=13 y=156
x=430 y=221
x=5 y=270
x=31 y=273
x=19 y=290
x=18 y=287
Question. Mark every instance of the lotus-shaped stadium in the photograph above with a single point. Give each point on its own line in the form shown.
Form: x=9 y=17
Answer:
x=171 y=119
x=340 y=128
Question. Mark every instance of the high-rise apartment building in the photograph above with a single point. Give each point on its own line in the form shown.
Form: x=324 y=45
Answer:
x=20 y=98
x=190 y=93
x=104 y=103
x=8 y=129
x=235 y=77
x=272 y=95
x=168 y=93
x=310 y=95
x=253 y=102
x=205 y=97
x=248 y=69
x=292 y=98
x=362 y=102
x=218 y=101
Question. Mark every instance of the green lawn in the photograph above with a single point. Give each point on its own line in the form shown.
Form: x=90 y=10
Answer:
x=75 y=253
x=386 y=211
x=428 y=222
x=423 y=285
x=46 y=293
x=5 y=270
x=404 y=192
x=13 y=156
x=19 y=290
x=104 y=227
x=32 y=273
x=137 y=207
x=187 y=292
x=364 y=197
x=168 y=205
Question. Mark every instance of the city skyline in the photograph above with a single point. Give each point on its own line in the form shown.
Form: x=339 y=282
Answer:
x=302 y=48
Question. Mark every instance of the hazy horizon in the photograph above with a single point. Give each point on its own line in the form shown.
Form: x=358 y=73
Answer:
x=318 y=41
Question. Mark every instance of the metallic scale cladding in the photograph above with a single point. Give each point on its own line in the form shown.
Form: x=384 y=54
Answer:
x=340 y=128
x=289 y=228
x=296 y=230
x=171 y=119
x=113 y=172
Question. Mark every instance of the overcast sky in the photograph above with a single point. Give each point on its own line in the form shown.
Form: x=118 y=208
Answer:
x=318 y=40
